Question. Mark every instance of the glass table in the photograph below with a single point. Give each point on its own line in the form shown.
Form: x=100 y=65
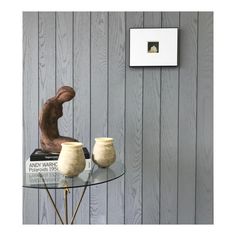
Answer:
x=55 y=180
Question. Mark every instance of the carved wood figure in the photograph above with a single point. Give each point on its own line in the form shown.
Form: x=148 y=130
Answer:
x=51 y=111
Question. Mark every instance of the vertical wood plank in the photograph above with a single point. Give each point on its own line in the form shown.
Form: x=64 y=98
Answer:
x=204 y=182
x=133 y=132
x=64 y=73
x=46 y=90
x=116 y=110
x=30 y=108
x=99 y=46
x=169 y=134
x=187 y=117
x=151 y=134
x=82 y=99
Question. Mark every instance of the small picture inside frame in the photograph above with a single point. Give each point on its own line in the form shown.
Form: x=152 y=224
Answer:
x=153 y=47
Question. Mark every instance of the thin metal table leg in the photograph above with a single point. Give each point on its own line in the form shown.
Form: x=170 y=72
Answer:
x=66 y=190
x=81 y=198
x=50 y=197
x=77 y=208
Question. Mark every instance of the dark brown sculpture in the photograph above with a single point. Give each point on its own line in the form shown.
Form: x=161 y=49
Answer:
x=52 y=110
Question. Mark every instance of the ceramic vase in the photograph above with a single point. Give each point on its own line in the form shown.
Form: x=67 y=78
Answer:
x=104 y=152
x=71 y=159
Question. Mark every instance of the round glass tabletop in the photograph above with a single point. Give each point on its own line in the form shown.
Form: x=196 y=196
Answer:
x=55 y=180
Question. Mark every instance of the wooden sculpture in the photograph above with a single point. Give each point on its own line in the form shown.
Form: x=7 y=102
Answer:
x=52 y=110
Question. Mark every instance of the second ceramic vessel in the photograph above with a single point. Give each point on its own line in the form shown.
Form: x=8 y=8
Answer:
x=71 y=160
x=104 y=152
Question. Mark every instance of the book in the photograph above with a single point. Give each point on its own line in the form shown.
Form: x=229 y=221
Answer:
x=48 y=166
x=40 y=155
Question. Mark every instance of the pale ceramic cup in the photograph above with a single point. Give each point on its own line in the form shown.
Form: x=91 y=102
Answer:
x=71 y=159
x=104 y=152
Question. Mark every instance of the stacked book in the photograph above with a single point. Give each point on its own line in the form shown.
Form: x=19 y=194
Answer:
x=43 y=162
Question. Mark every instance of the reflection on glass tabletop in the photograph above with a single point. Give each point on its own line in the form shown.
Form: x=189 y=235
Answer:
x=55 y=180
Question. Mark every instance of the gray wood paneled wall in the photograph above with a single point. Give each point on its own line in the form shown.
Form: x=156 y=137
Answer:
x=160 y=117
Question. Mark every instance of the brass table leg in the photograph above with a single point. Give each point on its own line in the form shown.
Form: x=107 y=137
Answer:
x=50 y=197
x=77 y=208
x=66 y=190
x=81 y=198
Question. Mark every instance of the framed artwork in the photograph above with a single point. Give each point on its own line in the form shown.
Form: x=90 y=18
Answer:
x=153 y=46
